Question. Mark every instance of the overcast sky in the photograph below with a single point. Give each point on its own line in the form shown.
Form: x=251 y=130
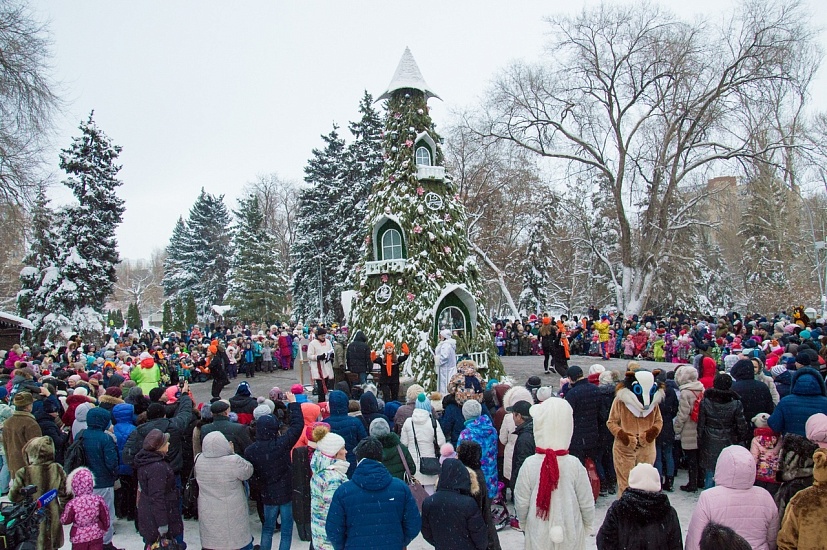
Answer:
x=210 y=94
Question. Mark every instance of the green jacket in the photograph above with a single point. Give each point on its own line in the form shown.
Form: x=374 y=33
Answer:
x=390 y=456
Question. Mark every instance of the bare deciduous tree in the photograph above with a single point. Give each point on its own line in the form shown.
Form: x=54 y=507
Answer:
x=279 y=200
x=27 y=101
x=648 y=103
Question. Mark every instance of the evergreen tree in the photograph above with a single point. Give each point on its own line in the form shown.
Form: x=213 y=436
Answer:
x=198 y=256
x=535 y=269
x=177 y=275
x=364 y=163
x=75 y=287
x=133 y=317
x=179 y=319
x=40 y=261
x=191 y=312
x=257 y=282
x=119 y=318
x=314 y=253
x=166 y=319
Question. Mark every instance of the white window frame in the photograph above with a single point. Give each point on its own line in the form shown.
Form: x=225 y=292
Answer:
x=388 y=250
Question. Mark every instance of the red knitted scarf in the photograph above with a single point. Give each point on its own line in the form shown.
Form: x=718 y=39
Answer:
x=549 y=479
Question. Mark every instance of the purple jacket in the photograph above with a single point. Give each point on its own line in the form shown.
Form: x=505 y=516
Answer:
x=734 y=502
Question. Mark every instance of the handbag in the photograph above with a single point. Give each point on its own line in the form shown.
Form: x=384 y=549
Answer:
x=165 y=542
x=417 y=490
x=191 y=492
x=428 y=465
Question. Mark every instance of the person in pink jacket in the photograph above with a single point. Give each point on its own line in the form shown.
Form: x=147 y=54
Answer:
x=736 y=503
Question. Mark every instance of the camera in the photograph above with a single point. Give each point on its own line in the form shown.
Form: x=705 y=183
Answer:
x=20 y=522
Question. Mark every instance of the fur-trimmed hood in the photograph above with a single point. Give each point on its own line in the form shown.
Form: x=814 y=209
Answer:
x=40 y=450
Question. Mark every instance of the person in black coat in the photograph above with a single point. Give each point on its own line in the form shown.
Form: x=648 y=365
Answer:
x=589 y=413
x=46 y=413
x=451 y=519
x=721 y=423
x=270 y=457
x=370 y=409
x=158 y=511
x=665 y=461
x=642 y=518
x=524 y=446
x=755 y=395
x=607 y=387
x=470 y=454
x=358 y=357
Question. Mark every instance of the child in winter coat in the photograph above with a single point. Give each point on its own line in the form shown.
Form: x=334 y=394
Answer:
x=629 y=347
x=764 y=448
x=642 y=518
x=87 y=511
x=329 y=465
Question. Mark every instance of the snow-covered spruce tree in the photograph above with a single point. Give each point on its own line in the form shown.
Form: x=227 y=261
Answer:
x=198 y=256
x=257 y=279
x=535 y=269
x=417 y=270
x=364 y=167
x=177 y=274
x=316 y=251
x=75 y=290
x=42 y=255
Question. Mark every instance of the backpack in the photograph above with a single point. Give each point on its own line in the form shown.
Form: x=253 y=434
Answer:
x=75 y=454
x=696 y=407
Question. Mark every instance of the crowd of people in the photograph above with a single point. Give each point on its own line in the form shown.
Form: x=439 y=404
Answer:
x=367 y=460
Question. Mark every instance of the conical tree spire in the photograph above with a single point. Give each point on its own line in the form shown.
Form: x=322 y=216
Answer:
x=408 y=76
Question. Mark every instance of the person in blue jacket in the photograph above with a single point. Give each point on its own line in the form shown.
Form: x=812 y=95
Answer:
x=123 y=414
x=374 y=510
x=102 y=459
x=808 y=396
x=350 y=428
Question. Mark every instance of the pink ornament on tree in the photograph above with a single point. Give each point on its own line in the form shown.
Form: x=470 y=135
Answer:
x=417 y=229
x=408 y=143
x=447 y=217
x=397 y=116
x=420 y=191
x=400 y=282
x=392 y=179
x=384 y=277
x=447 y=249
x=411 y=296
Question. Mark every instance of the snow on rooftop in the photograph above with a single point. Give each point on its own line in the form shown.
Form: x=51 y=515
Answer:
x=407 y=75
x=8 y=317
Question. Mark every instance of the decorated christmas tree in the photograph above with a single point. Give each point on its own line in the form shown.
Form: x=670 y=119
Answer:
x=418 y=275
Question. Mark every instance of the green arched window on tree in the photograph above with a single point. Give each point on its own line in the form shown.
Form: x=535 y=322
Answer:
x=390 y=244
x=453 y=314
x=423 y=155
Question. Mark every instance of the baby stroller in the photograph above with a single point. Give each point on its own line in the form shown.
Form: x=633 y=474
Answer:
x=499 y=510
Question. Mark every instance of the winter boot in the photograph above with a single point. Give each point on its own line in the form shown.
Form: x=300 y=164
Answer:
x=668 y=485
x=690 y=487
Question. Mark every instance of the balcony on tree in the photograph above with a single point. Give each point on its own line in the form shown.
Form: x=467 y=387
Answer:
x=436 y=173
x=385 y=266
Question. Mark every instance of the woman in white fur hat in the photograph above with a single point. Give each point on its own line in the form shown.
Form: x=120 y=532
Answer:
x=556 y=513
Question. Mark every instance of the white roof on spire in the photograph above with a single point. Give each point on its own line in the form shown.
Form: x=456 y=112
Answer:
x=407 y=75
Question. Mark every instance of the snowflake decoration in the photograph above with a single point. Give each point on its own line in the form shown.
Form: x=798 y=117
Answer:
x=417 y=229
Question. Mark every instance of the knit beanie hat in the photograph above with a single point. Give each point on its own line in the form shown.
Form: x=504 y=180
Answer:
x=413 y=392
x=370 y=448
x=778 y=370
x=261 y=410
x=645 y=477
x=330 y=444
x=423 y=403
x=80 y=390
x=114 y=391
x=275 y=394
x=820 y=466
x=816 y=429
x=243 y=389
x=297 y=389
x=379 y=427
x=471 y=409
